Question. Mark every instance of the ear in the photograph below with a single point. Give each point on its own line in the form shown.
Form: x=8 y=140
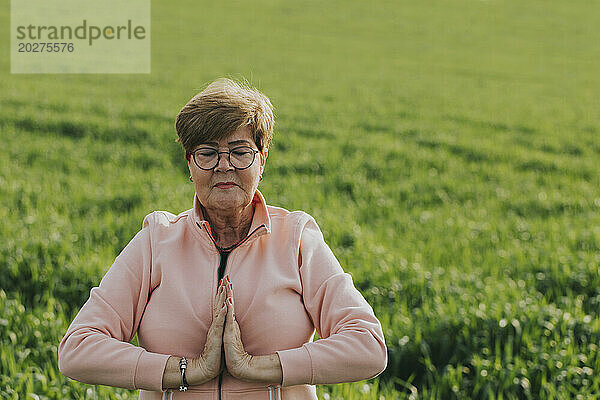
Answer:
x=263 y=159
x=189 y=165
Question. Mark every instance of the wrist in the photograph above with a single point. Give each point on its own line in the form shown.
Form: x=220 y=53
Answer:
x=198 y=373
x=265 y=369
x=242 y=368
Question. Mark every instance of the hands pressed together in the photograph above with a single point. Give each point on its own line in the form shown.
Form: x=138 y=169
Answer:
x=224 y=350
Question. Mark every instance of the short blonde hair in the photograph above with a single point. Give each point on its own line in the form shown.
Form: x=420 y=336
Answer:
x=220 y=109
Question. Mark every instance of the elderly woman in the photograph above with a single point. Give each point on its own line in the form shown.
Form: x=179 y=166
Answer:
x=225 y=297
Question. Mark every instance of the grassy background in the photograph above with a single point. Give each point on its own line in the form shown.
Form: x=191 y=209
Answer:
x=448 y=149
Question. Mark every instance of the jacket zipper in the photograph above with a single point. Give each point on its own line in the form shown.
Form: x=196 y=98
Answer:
x=223 y=256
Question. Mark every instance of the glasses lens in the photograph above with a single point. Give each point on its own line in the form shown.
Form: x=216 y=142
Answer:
x=241 y=157
x=206 y=158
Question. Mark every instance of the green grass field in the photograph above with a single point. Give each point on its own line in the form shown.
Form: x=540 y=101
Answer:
x=449 y=151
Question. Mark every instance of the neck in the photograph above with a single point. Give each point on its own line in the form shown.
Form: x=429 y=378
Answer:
x=230 y=227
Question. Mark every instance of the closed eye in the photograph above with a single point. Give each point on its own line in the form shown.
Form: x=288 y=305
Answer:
x=206 y=152
x=241 y=151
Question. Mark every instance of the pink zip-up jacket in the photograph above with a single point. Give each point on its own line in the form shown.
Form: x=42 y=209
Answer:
x=163 y=284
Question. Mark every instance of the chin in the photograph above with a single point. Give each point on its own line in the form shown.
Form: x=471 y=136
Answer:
x=227 y=202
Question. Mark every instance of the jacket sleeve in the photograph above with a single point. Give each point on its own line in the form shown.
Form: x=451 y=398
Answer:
x=352 y=347
x=96 y=347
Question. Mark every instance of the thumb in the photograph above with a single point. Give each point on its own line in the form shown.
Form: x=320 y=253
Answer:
x=220 y=317
x=230 y=324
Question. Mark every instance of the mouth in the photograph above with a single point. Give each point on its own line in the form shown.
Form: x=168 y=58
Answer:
x=225 y=185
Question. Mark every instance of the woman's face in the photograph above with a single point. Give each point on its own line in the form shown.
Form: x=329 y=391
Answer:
x=225 y=188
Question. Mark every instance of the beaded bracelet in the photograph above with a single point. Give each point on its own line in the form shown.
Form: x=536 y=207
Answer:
x=182 y=366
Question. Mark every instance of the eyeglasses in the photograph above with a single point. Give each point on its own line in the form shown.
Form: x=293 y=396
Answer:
x=208 y=158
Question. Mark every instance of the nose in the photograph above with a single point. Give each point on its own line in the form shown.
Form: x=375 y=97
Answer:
x=223 y=162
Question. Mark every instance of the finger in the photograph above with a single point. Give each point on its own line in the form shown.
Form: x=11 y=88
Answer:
x=229 y=286
x=222 y=294
x=219 y=291
x=220 y=298
x=231 y=306
x=227 y=292
x=230 y=296
x=222 y=283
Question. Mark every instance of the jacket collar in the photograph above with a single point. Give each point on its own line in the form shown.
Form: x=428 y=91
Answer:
x=261 y=214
